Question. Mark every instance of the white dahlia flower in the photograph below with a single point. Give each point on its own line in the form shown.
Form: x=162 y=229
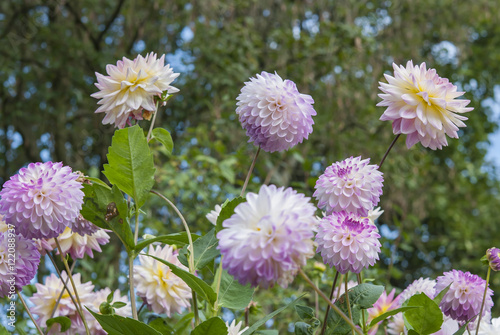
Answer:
x=214 y=214
x=98 y=298
x=269 y=237
x=77 y=245
x=422 y=105
x=158 y=287
x=274 y=114
x=234 y=328
x=130 y=88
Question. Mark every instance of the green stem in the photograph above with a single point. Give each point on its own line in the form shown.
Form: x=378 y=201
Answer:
x=28 y=311
x=328 y=306
x=247 y=179
x=131 y=283
x=362 y=311
x=388 y=150
x=191 y=250
x=335 y=308
x=153 y=122
x=484 y=298
x=80 y=310
x=219 y=279
x=65 y=284
x=347 y=301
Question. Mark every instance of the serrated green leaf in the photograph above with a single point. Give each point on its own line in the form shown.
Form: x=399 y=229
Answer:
x=305 y=313
x=107 y=208
x=390 y=313
x=163 y=136
x=227 y=210
x=205 y=250
x=64 y=321
x=213 y=326
x=425 y=320
x=364 y=295
x=118 y=325
x=130 y=164
x=336 y=324
x=302 y=328
x=196 y=284
x=262 y=321
x=180 y=239
x=232 y=294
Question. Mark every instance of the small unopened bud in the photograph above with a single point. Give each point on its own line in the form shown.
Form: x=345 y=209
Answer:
x=493 y=257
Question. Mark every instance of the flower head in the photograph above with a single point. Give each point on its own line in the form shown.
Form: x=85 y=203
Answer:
x=214 y=214
x=351 y=185
x=463 y=300
x=98 y=298
x=422 y=105
x=273 y=112
x=78 y=245
x=374 y=214
x=42 y=199
x=15 y=275
x=421 y=285
x=348 y=242
x=384 y=303
x=82 y=226
x=268 y=238
x=158 y=287
x=493 y=256
x=47 y=295
x=234 y=328
x=130 y=88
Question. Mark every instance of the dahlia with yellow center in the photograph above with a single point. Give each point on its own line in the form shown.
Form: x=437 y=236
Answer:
x=158 y=287
x=385 y=303
x=128 y=91
x=422 y=105
x=77 y=245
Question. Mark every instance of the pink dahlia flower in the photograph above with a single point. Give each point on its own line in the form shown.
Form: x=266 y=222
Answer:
x=384 y=303
x=463 y=300
x=351 y=185
x=422 y=105
x=268 y=238
x=129 y=89
x=273 y=112
x=42 y=199
x=348 y=242
x=493 y=256
x=18 y=272
x=78 y=245
x=421 y=285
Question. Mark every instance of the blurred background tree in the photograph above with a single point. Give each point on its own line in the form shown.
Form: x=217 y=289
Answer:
x=442 y=208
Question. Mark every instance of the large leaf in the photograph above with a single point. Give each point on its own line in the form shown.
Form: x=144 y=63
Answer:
x=336 y=324
x=64 y=321
x=196 y=284
x=262 y=321
x=232 y=294
x=164 y=137
x=425 y=320
x=118 y=325
x=213 y=326
x=205 y=250
x=364 y=295
x=107 y=208
x=130 y=164
x=227 y=210
x=161 y=325
x=180 y=239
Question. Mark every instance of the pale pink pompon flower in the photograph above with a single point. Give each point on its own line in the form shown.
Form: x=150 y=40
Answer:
x=351 y=185
x=269 y=237
x=422 y=105
x=42 y=199
x=274 y=114
x=348 y=242
x=128 y=91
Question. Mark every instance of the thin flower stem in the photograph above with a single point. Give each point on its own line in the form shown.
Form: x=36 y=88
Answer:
x=65 y=284
x=140 y=308
x=133 y=303
x=347 y=301
x=65 y=262
x=247 y=179
x=153 y=122
x=217 y=290
x=335 y=308
x=484 y=298
x=323 y=328
x=191 y=250
x=388 y=150
x=28 y=311
x=362 y=311
x=136 y=231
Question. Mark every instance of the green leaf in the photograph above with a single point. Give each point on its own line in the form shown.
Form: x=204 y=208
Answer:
x=164 y=137
x=227 y=211
x=232 y=294
x=107 y=208
x=213 y=326
x=441 y=294
x=119 y=304
x=118 y=325
x=390 y=313
x=425 y=320
x=196 y=284
x=176 y=238
x=161 y=325
x=267 y=332
x=305 y=312
x=181 y=325
x=64 y=321
x=131 y=165
x=336 y=324
x=365 y=295
x=302 y=328
x=462 y=329
x=205 y=250
x=262 y=321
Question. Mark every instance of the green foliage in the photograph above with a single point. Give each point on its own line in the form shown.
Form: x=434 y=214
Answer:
x=213 y=326
x=63 y=321
x=173 y=239
x=195 y=283
x=390 y=313
x=232 y=294
x=309 y=324
x=118 y=325
x=130 y=164
x=164 y=137
x=227 y=210
x=424 y=320
x=205 y=250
